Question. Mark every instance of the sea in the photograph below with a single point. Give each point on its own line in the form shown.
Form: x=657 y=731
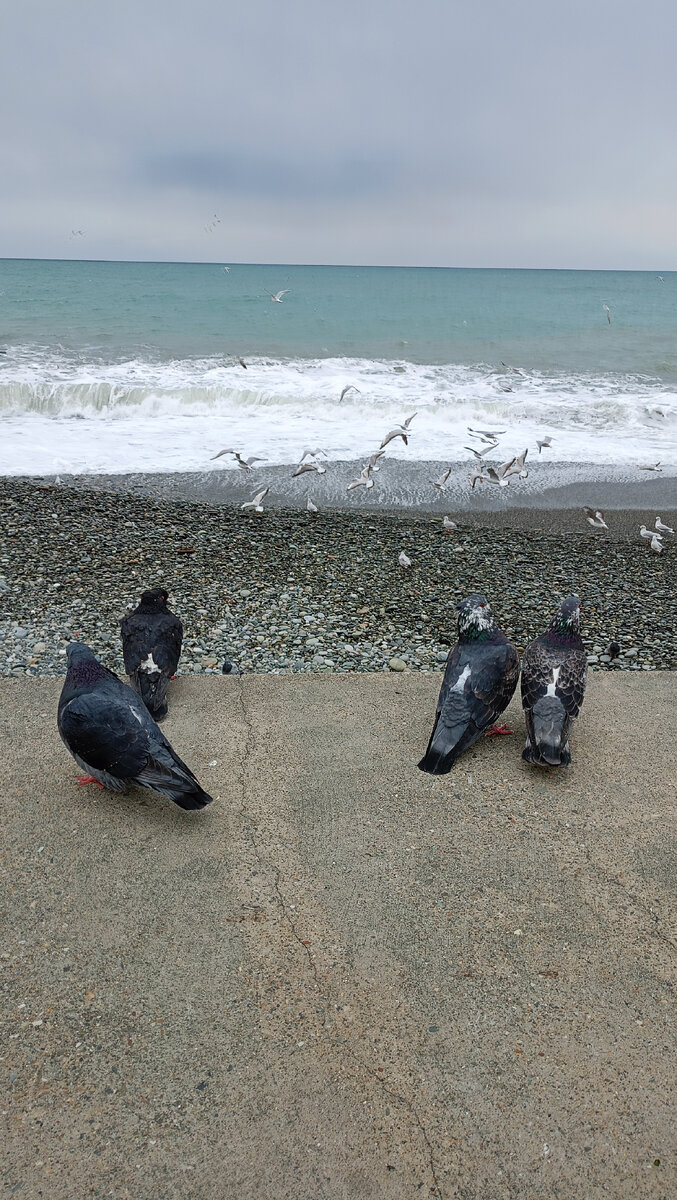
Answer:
x=115 y=367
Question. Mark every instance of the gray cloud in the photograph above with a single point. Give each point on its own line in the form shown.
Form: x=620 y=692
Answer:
x=530 y=133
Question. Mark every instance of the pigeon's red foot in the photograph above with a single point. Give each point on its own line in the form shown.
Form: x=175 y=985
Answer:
x=502 y=729
x=173 y=677
x=83 y=780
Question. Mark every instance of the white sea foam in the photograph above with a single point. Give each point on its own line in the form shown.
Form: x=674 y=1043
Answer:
x=61 y=414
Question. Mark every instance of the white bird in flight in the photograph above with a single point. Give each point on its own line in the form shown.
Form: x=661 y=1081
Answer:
x=277 y=298
x=303 y=467
x=661 y=527
x=365 y=480
x=404 y=561
x=441 y=483
x=595 y=517
x=545 y=442
x=608 y=312
x=653 y=467
x=350 y=387
x=257 y=502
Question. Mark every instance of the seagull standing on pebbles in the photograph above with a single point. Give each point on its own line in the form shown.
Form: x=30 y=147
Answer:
x=448 y=524
x=310 y=506
x=404 y=561
x=656 y=543
x=595 y=517
x=257 y=502
x=661 y=527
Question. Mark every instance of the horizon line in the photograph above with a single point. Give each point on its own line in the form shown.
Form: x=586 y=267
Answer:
x=187 y=262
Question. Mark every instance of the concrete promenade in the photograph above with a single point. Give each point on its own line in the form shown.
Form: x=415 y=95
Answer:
x=344 y=979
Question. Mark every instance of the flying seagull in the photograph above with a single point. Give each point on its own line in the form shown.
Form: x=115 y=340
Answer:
x=257 y=502
x=113 y=738
x=373 y=463
x=303 y=467
x=608 y=312
x=390 y=437
x=350 y=387
x=479 y=454
x=544 y=443
x=653 y=467
x=151 y=648
x=554 y=673
x=492 y=434
x=278 y=295
x=441 y=483
x=479 y=681
x=476 y=476
x=595 y=517
x=365 y=480
x=497 y=477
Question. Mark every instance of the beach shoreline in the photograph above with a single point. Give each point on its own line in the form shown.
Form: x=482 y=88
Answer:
x=407 y=487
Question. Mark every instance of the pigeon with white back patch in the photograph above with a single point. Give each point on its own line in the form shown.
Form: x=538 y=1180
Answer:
x=151 y=647
x=113 y=738
x=554 y=674
x=479 y=681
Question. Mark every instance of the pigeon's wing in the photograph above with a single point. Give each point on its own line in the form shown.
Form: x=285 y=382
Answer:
x=160 y=636
x=538 y=665
x=570 y=687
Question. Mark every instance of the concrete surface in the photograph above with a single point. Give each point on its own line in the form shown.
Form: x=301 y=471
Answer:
x=344 y=979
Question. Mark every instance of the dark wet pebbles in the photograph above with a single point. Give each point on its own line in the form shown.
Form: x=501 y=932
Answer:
x=287 y=591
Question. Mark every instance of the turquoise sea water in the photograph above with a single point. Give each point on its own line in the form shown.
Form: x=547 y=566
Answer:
x=135 y=344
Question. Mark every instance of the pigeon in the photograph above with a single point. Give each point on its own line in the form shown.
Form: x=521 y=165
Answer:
x=113 y=738
x=658 y=524
x=554 y=672
x=230 y=668
x=257 y=502
x=614 y=650
x=479 y=681
x=151 y=648
x=595 y=517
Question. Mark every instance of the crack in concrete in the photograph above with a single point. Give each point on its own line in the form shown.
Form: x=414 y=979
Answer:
x=286 y=913
x=640 y=904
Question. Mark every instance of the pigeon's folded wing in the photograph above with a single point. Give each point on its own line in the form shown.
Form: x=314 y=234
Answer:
x=161 y=638
x=108 y=734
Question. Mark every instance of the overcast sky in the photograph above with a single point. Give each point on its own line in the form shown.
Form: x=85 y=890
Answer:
x=533 y=133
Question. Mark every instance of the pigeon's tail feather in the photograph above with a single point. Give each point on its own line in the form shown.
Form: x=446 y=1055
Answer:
x=446 y=743
x=176 y=781
x=152 y=689
x=548 y=745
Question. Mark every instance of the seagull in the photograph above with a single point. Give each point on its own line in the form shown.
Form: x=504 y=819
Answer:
x=476 y=476
x=608 y=312
x=653 y=467
x=595 y=517
x=660 y=279
x=408 y=421
x=277 y=298
x=661 y=527
x=313 y=453
x=350 y=387
x=308 y=466
x=310 y=506
x=247 y=464
x=545 y=442
x=479 y=453
x=648 y=534
x=365 y=480
x=227 y=270
x=403 y=560
x=515 y=370
x=448 y=524
x=656 y=544
x=242 y=363
x=516 y=467
x=257 y=502
x=494 y=476
x=373 y=460
x=441 y=483
x=492 y=434
x=394 y=433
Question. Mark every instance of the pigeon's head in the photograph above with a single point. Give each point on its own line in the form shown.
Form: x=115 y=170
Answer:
x=566 y=621
x=475 y=617
x=154 y=600
x=84 y=667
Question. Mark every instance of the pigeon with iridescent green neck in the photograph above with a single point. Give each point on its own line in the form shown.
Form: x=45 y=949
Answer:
x=554 y=674
x=479 y=681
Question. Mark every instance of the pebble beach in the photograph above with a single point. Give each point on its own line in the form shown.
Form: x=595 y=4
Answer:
x=287 y=591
